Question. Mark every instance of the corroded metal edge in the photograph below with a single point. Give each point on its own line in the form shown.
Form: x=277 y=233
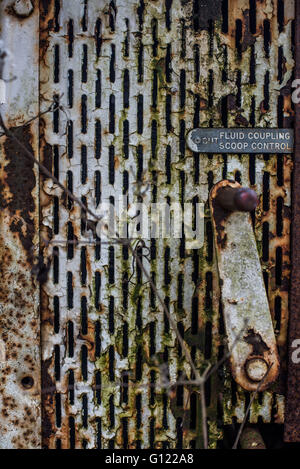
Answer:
x=20 y=400
x=243 y=294
x=292 y=409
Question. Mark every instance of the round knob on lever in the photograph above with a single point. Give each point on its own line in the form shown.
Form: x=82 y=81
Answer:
x=240 y=199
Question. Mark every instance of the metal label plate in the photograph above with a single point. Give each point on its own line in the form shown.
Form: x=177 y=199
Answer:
x=241 y=140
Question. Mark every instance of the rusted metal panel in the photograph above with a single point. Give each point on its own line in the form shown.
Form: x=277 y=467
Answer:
x=292 y=412
x=20 y=402
x=133 y=78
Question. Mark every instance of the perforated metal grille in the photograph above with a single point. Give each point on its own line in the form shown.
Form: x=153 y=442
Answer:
x=132 y=77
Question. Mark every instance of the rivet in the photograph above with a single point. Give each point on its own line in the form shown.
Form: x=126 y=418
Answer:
x=27 y=382
x=256 y=369
x=23 y=8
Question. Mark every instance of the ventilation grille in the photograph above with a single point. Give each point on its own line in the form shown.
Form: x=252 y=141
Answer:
x=131 y=78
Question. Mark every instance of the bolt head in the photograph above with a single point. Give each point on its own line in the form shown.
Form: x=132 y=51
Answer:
x=23 y=8
x=246 y=199
x=256 y=369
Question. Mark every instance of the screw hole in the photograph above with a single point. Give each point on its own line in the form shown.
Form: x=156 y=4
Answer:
x=27 y=382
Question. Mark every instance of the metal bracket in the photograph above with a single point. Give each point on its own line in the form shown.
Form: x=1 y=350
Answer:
x=245 y=304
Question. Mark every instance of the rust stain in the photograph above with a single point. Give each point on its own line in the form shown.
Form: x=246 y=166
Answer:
x=20 y=179
x=259 y=346
x=248 y=38
x=220 y=215
x=46 y=25
x=46 y=148
x=14 y=325
x=89 y=339
x=231 y=102
x=241 y=120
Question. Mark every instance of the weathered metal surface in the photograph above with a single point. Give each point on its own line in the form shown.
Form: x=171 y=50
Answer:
x=292 y=413
x=252 y=439
x=236 y=198
x=20 y=393
x=241 y=140
x=245 y=303
x=23 y=8
x=133 y=78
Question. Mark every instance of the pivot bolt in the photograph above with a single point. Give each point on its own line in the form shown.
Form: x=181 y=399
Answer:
x=234 y=199
x=256 y=369
x=246 y=199
x=23 y=8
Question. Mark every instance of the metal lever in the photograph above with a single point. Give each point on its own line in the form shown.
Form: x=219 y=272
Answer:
x=254 y=356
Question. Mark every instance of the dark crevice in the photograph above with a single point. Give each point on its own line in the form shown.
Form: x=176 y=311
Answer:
x=56 y=63
x=112 y=73
x=252 y=16
x=225 y=16
x=98 y=139
x=98 y=37
x=126 y=89
x=70 y=38
x=84 y=114
x=267 y=38
x=84 y=67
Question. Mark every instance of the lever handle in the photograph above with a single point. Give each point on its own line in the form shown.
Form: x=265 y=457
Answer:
x=254 y=356
x=237 y=199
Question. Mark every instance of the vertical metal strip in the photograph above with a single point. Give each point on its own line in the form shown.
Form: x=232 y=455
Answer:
x=20 y=401
x=292 y=410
